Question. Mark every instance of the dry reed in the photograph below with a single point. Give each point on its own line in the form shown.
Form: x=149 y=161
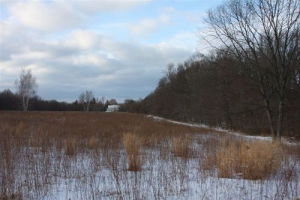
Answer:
x=133 y=144
x=92 y=143
x=182 y=146
x=249 y=160
x=70 y=145
x=34 y=146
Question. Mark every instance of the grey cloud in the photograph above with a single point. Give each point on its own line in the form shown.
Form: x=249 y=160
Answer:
x=109 y=68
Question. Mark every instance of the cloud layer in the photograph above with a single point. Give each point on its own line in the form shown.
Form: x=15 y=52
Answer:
x=68 y=50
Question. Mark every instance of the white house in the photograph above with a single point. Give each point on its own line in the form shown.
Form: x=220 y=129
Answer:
x=113 y=108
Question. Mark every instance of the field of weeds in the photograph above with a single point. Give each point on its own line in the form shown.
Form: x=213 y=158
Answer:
x=76 y=155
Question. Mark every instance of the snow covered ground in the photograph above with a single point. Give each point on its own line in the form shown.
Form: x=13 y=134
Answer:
x=238 y=134
x=102 y=174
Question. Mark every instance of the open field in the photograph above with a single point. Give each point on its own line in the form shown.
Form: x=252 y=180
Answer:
x=76 y=155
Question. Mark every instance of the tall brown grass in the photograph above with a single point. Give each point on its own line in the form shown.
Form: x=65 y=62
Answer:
x=248 y=160
x=70 y=146
x=92 y=143
x=39 y=150
x=182 y=146
x=133 y=143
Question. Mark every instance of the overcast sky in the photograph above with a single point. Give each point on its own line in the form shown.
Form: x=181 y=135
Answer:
x=117 y=49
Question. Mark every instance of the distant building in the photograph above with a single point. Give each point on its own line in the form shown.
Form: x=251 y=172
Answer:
x=113 y=108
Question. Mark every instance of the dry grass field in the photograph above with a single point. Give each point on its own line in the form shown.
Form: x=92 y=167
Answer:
x=77 y=155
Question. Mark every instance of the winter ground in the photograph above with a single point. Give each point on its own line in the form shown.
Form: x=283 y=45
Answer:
x=101 y=172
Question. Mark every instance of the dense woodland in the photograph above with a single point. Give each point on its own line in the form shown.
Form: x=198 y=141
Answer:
x=215 y=91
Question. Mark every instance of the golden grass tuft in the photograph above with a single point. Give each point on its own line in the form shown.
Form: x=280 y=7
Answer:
x=209 y=161
x=250 y=160
x=70 y=145
x=133 y=144
x=92 y=143
x=20 y=129
x=181 y=146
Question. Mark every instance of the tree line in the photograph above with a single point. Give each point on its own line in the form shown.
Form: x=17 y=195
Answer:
x=26 y=99
x=13 y=101
x=215 y=91
x=250 y=82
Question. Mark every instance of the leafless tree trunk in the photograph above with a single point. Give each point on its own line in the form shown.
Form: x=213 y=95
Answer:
x=26 y=87
x=82 y=100
x=85 y=99
x=103 y=100
x=264 y=36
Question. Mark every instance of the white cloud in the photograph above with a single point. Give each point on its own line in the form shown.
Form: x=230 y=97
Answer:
x=165 y=19
x=108 y=5
x=82 y=39
x=45 y=16
x=195 y=17
x=90 y=59
x=185 y=40
x=39 y=71
x=168 y=9
x=61 y=15
x=33 y=55
x=145 y=27
x=7 y=29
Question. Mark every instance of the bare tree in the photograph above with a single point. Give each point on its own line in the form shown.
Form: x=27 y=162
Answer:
x=102 y=100
x=26 y=87
x=264 y=36
x=85 y=99
x=81 y=100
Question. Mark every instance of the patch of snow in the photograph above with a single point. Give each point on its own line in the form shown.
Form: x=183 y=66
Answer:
x=237 y=134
